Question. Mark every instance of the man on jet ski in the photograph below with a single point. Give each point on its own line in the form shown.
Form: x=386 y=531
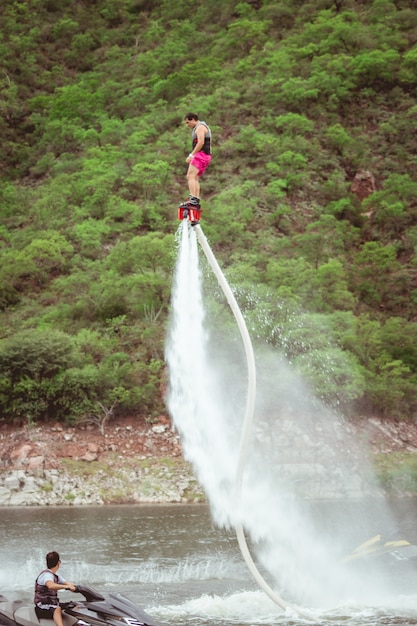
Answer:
x=47 y=585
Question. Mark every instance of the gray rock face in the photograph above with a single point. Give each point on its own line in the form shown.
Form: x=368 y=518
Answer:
x=53 y=487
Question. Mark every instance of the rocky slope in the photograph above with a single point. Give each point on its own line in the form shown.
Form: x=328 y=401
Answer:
x=133 y=461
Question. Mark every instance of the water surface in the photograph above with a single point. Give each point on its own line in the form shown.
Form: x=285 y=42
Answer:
x=176 y=564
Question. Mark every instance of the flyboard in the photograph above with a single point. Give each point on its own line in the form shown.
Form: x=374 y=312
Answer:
x=194 y=220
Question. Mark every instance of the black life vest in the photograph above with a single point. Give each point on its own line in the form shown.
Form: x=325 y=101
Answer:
x=207 y=138
x=44 y=595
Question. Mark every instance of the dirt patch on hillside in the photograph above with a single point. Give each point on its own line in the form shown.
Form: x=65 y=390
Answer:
x=386 y=436
x=45 y=445
x=125 y=440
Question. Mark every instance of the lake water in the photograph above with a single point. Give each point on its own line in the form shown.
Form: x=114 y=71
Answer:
x=175 y=563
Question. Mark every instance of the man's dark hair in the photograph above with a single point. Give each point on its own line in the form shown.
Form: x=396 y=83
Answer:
x=52 y=559
x=191 y=116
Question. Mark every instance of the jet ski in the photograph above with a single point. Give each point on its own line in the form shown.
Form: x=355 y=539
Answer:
x=385 y=549
x=389 y=559
x=94 y=610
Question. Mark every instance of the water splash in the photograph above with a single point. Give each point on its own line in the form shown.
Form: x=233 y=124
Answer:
x=196 y=397
x=254 y=607
x=300 y=450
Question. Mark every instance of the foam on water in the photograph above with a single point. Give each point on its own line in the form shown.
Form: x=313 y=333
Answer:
x=237 y=607
x=254 y=607
x=149 y=572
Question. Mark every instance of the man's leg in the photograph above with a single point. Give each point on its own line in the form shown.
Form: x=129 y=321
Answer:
x=193 y=204
x=193 y=181
x=58 y=616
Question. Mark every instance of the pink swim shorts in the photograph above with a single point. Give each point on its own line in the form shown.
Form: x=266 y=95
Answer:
x=201 y=161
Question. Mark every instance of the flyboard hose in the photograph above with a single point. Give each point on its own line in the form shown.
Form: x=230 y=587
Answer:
x=247 y=424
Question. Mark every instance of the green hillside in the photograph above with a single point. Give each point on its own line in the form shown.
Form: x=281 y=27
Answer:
x=310 y=203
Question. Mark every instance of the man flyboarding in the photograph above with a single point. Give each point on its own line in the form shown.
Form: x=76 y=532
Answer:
x=198 y=161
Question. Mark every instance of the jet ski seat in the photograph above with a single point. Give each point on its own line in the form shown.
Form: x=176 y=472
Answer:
x=26 y=616
x=8 y=608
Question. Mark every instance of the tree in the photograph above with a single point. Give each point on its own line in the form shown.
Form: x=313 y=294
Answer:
x=394 y=207
x=398 y=339
x=335 y=376
x=376 y=68
x=329 y=289
x=324 y=239
x=390 y=388
x=370 y=272
x=29 y=363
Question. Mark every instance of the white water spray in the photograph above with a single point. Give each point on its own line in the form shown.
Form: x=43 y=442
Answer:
x=247 y=427
x=195 y=400
x=259 y=496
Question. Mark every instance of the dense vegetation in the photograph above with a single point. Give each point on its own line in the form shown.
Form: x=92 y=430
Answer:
x=310 y=203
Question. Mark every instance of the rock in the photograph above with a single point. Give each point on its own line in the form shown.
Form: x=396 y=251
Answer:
x=29 y=485
x=23 y=499
x=20 y=455
x=35 y=463
x=71 y=450
x=12 y=482
x=363 y=184
x=127 y=465
x=4 y=496
x=89 y=457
